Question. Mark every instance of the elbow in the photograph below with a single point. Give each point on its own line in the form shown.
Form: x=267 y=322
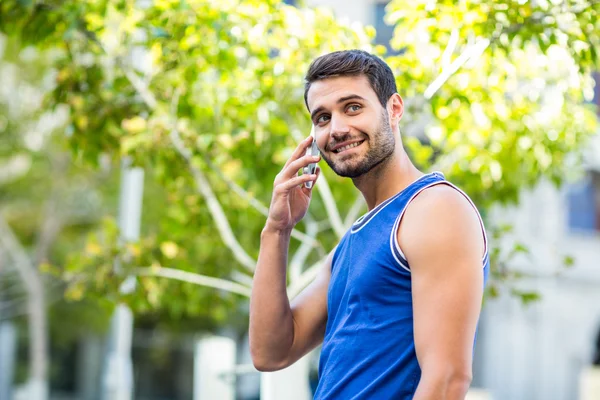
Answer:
x=260 y=362
x=451 y=383
x=269 y=354
x=264 y=363
x=460 y=381
x=264 y=366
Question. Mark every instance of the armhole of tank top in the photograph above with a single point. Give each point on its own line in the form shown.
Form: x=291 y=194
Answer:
x=395 y=246
x=334 y=256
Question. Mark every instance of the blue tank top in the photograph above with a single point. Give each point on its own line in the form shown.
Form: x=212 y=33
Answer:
x=369 y=350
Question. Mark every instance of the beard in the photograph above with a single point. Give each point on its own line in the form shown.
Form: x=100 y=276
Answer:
x=381 y=146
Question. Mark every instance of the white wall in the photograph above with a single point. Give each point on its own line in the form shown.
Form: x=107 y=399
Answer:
x=538 y=351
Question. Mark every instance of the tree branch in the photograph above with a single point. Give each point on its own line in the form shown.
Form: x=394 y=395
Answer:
x=331 y=207
x=352 y=215
x=140 y=87
x=214 y=206
x=260 y=207
x=212 y=202
x=446 y=73
x=202 y=183
x=450 y=47
x=54 y=218
x=312 y=228
x=14 y=250
x=13 y=169
x=237 y=189
x=196 y=279
x=307 y=277
x=242 y=278
x=36 y=307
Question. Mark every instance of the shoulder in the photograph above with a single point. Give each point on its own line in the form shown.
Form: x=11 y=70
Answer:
x=440 y=218
x=441 y=200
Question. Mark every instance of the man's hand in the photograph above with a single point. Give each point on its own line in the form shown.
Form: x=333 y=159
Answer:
x=290 y=195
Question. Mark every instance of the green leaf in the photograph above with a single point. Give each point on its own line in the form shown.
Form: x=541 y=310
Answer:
x=526 y=297
x=568 y=261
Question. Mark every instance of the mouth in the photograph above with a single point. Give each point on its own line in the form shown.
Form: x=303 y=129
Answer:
x=347 y=147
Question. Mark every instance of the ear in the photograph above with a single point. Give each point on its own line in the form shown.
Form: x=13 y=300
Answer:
x=395 y=108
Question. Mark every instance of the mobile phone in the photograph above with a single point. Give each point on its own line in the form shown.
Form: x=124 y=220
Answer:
x=313 y=150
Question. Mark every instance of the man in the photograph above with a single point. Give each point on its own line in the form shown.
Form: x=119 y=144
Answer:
x=397 y=302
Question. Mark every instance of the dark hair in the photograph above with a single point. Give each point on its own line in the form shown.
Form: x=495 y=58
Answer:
x=353 y=63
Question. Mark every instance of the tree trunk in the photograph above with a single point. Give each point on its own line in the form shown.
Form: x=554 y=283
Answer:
x=36 y=307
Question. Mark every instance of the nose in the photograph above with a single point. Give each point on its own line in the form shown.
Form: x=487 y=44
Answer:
x=338 y=127
x=337 y=130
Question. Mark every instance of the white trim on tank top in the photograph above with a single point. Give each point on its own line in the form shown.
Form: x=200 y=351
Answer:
x=394 y=237
x=387 y=202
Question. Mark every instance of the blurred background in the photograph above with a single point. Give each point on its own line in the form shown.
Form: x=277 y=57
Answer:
x=139 y=140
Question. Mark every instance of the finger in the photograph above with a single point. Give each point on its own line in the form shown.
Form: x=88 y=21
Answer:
x=299 y=151
x=308 y=190
x=295 y=166
x=297 y=181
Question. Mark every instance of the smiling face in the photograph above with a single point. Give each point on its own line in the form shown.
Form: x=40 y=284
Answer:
x=352 y=127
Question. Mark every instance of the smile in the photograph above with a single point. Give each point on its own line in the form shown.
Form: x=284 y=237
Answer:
x=348 y=147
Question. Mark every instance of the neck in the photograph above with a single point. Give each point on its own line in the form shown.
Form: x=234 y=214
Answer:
x=388 y=178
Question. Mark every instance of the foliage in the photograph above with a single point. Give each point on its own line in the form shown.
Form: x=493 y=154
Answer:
x=47 y=200
x=501 y=88
x=513 y=111
x=228 y=76
x=207 y=97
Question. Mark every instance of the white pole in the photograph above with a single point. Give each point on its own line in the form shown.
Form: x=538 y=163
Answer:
x=214 y=365
x=589 y=383
x=118 y=374
x=290 y=383
x=8 y=345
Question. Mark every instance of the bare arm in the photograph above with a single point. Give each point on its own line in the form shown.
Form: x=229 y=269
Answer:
x=281 y=333
x=443 y=241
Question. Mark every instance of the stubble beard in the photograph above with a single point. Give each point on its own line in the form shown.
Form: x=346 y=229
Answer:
x=381 y=147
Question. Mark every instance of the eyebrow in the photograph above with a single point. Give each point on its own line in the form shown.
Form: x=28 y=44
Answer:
x=340 y=100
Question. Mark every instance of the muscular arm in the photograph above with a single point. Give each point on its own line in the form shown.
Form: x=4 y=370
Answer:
x=442 y=239
x=281 y=333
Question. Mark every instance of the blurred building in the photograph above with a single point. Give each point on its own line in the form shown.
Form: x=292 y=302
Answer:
x=541 y=350
x=545 y=350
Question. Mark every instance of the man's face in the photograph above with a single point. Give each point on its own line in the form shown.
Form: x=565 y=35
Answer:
x=352 y=128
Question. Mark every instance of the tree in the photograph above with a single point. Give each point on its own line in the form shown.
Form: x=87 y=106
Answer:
x=46 y=202
x=207 y=96
x=201 y=106
x=24 y=133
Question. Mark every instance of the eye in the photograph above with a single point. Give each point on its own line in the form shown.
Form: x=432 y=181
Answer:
x=354 y=107
x=322 y=118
